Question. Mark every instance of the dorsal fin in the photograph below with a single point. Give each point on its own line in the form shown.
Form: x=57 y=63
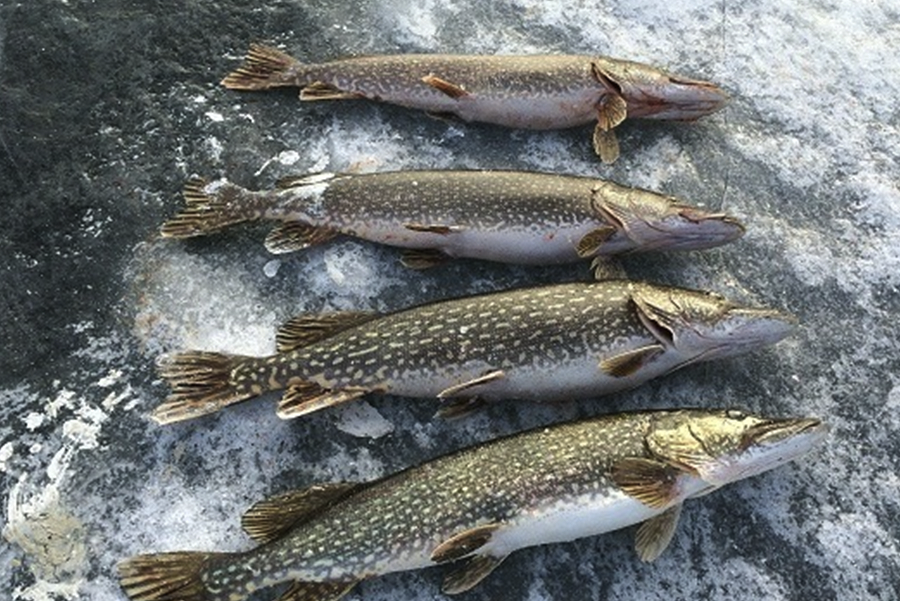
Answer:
x=308 y=328
x=270 y=518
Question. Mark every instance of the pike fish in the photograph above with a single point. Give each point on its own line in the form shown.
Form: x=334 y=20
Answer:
x=506 y=216
x=477 y=506
x=555 y=342
x=532 y=92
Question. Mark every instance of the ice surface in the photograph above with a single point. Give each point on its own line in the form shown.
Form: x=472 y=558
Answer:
x=807 y=154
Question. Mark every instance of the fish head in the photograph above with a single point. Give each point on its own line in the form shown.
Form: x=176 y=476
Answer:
x=646 y=220
x=652 y=93
x=705 y=325
x=729 y=445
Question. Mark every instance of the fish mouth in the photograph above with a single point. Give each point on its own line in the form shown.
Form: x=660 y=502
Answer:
x=677 y=98
x=693 y=229
x=776 y=431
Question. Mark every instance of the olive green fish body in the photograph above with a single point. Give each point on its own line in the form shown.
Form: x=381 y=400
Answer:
x=506 y=216
x=533 y=92
x=479 y=505
x=554 y=342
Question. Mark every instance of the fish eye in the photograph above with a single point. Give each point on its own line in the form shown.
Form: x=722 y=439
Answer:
x=735 y=414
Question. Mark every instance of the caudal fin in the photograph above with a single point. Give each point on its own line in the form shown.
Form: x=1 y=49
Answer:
x=263 y=68
x=210 y=207
x=164 y=577
x=201 y=383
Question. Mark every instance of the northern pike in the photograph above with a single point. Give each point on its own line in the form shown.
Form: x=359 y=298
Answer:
x=506 y=216
x=477 y=506
x=554 y=342
x=531 y=92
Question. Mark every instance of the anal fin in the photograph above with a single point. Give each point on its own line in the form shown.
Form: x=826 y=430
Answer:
x=319 y=90
x=629 y=362
x=271 y=518
x=463 y=544
x=308 y=397
x=655 y=534
x=450 y=89
x=309 y=328
x=295 y=235
x=423 y=258
x=318 y=591
x=474 y=571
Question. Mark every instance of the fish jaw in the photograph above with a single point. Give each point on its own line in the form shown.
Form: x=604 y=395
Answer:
x=646 y=220
x=652 y=93
x=702 y=325
x=730 y=445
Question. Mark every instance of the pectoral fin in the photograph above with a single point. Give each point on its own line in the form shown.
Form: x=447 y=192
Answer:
x=655 y=534
x=318 y=591
x=463 y=544
x=306 y=329
x=629 y=362
x=324 y=91
x=307 y=397
x=591 y=242
x=423 y=258
x=606 y=145
x=269 y=519
x=476 y=569
x=433 y=228
x=607 y=268
x=465 y=386
x=651 y=482
x=294 y=235
x=450 y=89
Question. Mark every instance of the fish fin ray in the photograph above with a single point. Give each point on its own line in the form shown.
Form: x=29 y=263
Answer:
x=271 y=518
x=318 y=591
x=309 y=328
x=300 y=181
x=655 y=534
x=201 y=383
x=629 y=362
x=650 y=482
x=295 y=235
x=308 y=397
x=165 y=576
x=486 y=378
x=434 y=228
x=319 y=90
x=474 y=571
x=606 y=145
x=263 y=68
x=657 y=319
x=591 y=242
x=206 y=211
x=464 y=543
x=423 y=258
x=460 y=407
x=442 y=85
x=607 y=268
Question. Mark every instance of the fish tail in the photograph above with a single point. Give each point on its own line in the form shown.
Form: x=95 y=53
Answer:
x=263 y=68
x=166 y=576
x=201 y=383
x=210 y=207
